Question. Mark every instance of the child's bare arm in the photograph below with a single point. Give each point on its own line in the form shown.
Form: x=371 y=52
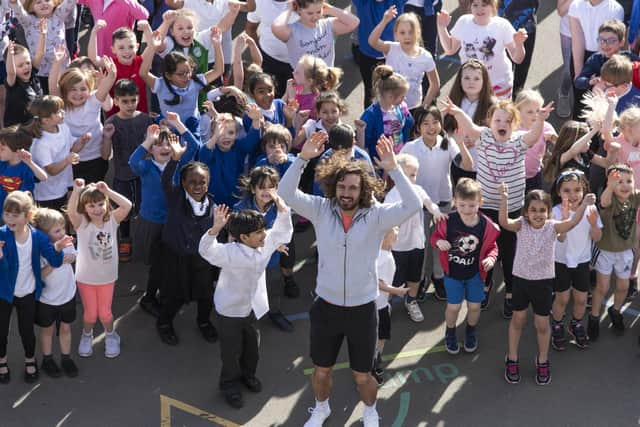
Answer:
x=72 y=206
x=11 y=65
x=503 y=215
x=124 y=204
x=92 y=47
x=42 y=40
x=392 y=290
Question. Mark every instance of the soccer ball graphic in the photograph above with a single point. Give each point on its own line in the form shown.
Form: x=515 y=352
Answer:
x=467 y=244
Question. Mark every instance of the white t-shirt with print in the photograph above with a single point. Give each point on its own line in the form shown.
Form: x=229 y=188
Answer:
x=413 y=68
x=83 y=119
x=591 y=17
x=487 y=43
x=46 y=150
x=97 y=260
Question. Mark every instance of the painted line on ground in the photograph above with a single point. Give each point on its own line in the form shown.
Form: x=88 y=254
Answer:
x=166 y=403
x=403 y=411
x=24 y=396
x=391 y=357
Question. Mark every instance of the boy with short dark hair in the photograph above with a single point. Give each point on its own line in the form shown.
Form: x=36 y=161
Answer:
x=241 y=292
x=17 y=169
x=468 y=250
x=611 y=41
x=124 y=50
x=124 y=132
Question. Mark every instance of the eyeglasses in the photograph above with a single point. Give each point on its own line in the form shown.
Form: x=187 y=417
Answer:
x=183 y=74
x=608 y=42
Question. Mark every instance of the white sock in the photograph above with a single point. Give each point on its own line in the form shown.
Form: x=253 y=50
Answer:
x=370 y=409
x=89 y=334
x=323 y=405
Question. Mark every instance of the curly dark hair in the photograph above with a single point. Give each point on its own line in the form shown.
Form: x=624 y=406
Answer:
x=334 y=169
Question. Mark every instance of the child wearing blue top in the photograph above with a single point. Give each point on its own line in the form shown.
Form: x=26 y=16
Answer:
x=389 y=114
x=276 y=143
x=148 y=162
x=21 y=247
x=17 y=170
x=225 y=155
x=257 y=188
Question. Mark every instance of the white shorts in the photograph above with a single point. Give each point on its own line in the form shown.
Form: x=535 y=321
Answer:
x=618 y=262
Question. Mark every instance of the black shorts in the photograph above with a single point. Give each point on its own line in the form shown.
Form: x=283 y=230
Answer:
x=408 y=266
x=535 y=292
x=47 y=314
x=576 y=278
x=384 y=323
x=330 y=324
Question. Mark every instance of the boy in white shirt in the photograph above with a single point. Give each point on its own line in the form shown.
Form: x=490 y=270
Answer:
x=241 y=293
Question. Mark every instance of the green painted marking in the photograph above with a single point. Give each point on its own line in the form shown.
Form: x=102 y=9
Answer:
x=405 y=398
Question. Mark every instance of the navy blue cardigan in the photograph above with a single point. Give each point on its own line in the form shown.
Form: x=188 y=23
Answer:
x=41 y=246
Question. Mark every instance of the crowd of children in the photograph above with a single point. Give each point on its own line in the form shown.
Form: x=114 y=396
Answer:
x=198 y=141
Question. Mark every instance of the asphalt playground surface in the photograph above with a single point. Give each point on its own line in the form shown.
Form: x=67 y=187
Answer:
x=151 y=384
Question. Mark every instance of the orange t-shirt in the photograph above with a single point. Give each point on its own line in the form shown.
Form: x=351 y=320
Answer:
x=346 y=221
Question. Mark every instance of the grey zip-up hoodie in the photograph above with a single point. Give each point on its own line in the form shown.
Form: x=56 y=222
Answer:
x=347 y=261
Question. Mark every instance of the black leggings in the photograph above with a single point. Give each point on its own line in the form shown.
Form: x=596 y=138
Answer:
x=26 y=309
x=506 y=250
x=171 y=306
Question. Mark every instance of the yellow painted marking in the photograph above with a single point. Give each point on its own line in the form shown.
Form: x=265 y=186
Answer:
x=166 y=403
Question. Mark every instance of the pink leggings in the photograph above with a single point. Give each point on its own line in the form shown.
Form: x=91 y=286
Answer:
x=96 y=301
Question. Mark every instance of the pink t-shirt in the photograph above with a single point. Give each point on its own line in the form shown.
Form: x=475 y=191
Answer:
x=307 y=101
x=534 y=155
x=535 y=251
x=630 y=155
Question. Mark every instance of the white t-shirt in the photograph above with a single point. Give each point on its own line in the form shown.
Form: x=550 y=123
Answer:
x=435 y=166
x=53 y=148
x=413 y=68
x=487 y=43
x=26 y=281
x=210 y=14
x=386 y=268
x=266 y=12
x=411 y=233
x=576 y=248
x=591 y=17
x=318 y=41
x=83 y=119
x=60 y=284
x=97 y=261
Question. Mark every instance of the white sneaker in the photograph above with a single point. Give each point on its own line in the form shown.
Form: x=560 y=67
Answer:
x=414 y=311
x=318 y=416
x=85 y=348
x=563 y=109
x=112 y=345
x=371 y=419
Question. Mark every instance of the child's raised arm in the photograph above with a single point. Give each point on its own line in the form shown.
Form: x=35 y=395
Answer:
x=606 y=197
x=107 y=81
x=503 y=215
x=568 y=224
x=516 y=48
x=147 y=59
x=230 y=17
x=59 y=55
x=375 y=38
x=42 y=41
x=280 y=26
x=344 y=23
x=218 y=68
x=72 y=206
x=124 y=204
x=11 y=65
x=466 y=161
x=465 y=124
x=92 y=47
x=531 y=137
x=580 y=146
x=25 y=157
x=450 y=44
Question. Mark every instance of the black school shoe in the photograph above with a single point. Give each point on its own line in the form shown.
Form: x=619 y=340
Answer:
x=167 y=334
x=253 y=384
x=31 y=377
x=6 y=377
x=617 y=322
x=593 y=328
x=632 y=292
x=233 y=396
x=280 y=321
x=209 y=332
x=50 y=367
x=68 y=366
